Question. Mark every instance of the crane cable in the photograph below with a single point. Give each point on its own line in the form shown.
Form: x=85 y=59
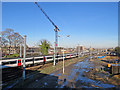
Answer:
x=46 y=16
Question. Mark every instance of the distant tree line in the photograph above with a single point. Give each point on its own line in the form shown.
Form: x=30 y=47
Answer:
x=10 y=39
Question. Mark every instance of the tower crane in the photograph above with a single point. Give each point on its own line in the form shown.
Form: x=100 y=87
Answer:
x=56 y=30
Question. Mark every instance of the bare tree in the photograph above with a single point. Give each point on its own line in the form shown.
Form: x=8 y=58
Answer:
x=17 y=39
x=11 y=39
x=7 y=34
x=3 y=42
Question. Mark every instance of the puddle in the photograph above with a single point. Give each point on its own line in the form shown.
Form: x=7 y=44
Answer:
x=85 y=66
x=93 y=82
x=36 y=80
x=80 y=67
x=77 y=74
x=59 y=74
x=52 y=74
x=87 y=71
x=72 y=75
x=56 y=86
x=45 y=83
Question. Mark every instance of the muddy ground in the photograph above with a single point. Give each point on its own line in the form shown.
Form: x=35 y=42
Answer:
x=102 y=73
x=84 y=73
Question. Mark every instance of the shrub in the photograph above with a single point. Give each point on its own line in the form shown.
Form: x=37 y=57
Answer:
x=12 y=56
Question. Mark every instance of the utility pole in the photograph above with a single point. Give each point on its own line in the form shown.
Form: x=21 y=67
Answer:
x=54 y=54
x=20 y=50
x=56 y=40
x=63 y=61
x=63 y=55
x=24 y=57
x=63 y=52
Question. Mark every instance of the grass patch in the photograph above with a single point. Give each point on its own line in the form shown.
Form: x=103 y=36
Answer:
x=59 y=65
x=12 y=56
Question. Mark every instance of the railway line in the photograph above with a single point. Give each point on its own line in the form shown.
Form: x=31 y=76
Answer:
x=11 y=74
x=33 y=60
x=12 y=69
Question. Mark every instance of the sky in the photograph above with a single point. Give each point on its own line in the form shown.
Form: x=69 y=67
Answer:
x=92 y=24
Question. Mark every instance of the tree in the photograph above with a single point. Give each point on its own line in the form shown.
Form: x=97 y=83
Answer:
x=44 y=46
x=17 y=39
x=3 y=42
x=11 y=39
x=7 y=34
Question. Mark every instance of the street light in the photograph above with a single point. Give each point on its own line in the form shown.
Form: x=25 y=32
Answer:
x=63 y=50
x=24 y=56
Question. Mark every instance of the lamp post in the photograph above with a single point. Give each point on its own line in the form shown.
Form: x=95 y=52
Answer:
x=54 y=53
x=63 y=50
x=24 y=57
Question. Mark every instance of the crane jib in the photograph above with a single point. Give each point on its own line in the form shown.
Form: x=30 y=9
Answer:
x=47 y=16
